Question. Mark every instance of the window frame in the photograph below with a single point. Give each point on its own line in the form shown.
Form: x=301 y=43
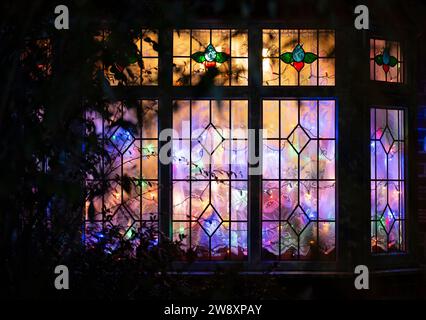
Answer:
x=405 y=156
x=317 y=180
x=402 y=47
x=255 y=92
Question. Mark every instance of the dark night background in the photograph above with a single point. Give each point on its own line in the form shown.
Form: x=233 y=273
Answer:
x=40 y=212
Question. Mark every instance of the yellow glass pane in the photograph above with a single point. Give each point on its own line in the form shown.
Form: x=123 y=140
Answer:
x=271 y=118
x=289 y=116
x=150 y=71
x=181 y=43
x=327 y=72
x=239 y=43
x=270 y=67
x=326 y=44
x=149 y=43
x=270 y=43
x=200 y=39
x=220 y=41
x=289 y=75
x=181 y=71
x=239 y=72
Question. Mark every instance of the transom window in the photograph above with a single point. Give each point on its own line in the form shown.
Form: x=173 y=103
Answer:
x=133 y=62
x=220 y=55
x=386 y=61
x=298 y=57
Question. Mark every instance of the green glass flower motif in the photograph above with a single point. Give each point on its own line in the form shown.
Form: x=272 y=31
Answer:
x=298 y=57
x=210 y=57
x=385 y=60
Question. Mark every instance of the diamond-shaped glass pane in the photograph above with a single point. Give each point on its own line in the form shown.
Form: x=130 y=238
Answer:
x=121 y=139
x=122 y=219
x=387 y=219
x=210 y=139
x=210 y=220
x=387 y=140
x=298 y=139
x=298 y=220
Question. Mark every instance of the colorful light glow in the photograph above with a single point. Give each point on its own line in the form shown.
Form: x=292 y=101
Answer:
x=387 y=180
x=209 y=192
x=298 y=215
x=126 y=208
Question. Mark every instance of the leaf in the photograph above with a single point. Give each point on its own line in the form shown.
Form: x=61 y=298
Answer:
x=221 y=57
x=393 y=61
x=132 y=59
x=379 y=59
x=309 y=57
x=126 y=183
x=287 y=57
x=198 y=57
x=154 y=43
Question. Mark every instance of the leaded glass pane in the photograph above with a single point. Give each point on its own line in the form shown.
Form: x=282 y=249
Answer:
x=299 y=193
x=124 y=189
x=298 y=57
x=130 y=59
x=210 y=186
x=386 y=61
x=218 y=56
x=387 y=142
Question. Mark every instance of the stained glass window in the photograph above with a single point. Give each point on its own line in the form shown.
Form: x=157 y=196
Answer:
x=210 y=177
x=124 y=188
x=299 y=182
x=130 y=59
x=298 y=57
x=219 y=55
x=387 y=180
x=386 y=61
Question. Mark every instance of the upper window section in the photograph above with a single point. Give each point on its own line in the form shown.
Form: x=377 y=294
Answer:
x=386 y=61
x=298 y=57
x=218 y=56
x=130 y=59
